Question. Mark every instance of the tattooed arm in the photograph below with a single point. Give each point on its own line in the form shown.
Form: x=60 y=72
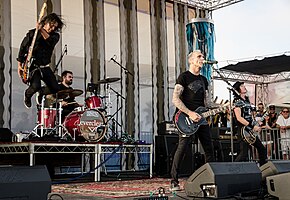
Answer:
x=178 y=89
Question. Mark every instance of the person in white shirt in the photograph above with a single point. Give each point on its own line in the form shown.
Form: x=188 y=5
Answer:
x=283 y=123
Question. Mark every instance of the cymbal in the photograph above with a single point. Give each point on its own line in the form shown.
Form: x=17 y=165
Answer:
x=108 y=80
x=69 y=93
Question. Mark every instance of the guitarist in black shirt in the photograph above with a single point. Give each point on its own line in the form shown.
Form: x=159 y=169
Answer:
x=191 y=92
x=246 y=125
x=45 y=41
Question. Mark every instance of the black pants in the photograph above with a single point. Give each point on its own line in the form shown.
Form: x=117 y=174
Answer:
x=244 y=149
x=204 y=136
x=48 y=78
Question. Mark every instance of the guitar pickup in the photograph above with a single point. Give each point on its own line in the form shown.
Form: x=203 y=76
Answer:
x=187 y=121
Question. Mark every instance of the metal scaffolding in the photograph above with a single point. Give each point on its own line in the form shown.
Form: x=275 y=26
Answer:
x=261 y=82
x=209 y=4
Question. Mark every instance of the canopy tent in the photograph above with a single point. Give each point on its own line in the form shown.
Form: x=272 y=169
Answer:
x=260 y=72
x=266 y=66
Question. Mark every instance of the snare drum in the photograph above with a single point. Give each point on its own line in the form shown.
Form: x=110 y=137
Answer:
x=89 y=125
x=49 y=117
x=94 y=102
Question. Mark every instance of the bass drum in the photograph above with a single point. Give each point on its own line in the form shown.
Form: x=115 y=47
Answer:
x=88 y=124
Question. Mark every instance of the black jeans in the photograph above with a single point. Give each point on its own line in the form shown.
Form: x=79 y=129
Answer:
x=204 y=136
x=48 y=78
x=244 y=150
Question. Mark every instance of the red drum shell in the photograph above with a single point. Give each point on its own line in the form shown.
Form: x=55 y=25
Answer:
x=49 y=117
x=94 y=102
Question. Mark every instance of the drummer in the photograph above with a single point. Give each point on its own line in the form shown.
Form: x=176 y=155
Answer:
x=68 y=103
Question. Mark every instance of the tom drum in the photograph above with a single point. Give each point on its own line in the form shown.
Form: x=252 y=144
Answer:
x=49 y=117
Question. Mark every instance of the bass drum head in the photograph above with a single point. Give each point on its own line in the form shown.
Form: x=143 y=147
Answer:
x=92 y=125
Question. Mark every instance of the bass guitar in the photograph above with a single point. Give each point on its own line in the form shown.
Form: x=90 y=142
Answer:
x=248 y=134
x=26 y=65
x=187 y=126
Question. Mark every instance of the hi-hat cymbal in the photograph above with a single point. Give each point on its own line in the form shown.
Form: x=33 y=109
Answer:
x=108 y=80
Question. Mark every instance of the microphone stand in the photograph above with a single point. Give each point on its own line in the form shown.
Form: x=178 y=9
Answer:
x=60 y=59
x=231 y=89
x=126 y=72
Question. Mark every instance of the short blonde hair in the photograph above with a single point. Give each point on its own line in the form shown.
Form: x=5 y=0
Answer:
x=192 y=53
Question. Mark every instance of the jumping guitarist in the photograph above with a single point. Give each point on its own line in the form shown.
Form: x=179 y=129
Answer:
x=191 y=92
x=44 y=38
x=246 y=125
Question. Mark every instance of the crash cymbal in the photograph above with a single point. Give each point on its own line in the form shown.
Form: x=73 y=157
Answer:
x=108 y=80
x=69 y=93
x=75 y=93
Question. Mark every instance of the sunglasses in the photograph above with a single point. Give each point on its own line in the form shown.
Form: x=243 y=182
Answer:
x=285 y=111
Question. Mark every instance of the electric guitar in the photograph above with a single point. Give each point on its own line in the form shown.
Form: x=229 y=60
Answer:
x=187 y=126
x=26 y=65
x=248 y=134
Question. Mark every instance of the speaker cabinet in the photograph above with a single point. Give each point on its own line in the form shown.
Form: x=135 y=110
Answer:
x=24 y=182
x=223 y=179
x=278 y=185
x=275 y=167
x=165 y=147
x=5 y=135
x=223 y=152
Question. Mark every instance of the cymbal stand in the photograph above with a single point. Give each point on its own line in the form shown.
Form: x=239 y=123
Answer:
x=60 y=130
x=41 y=124
x=116 y=124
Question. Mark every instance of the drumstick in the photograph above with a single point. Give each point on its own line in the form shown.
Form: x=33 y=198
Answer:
x=71 y=103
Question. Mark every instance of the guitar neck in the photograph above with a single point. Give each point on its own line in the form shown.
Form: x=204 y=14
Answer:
x=29 y=55
x=212 y=112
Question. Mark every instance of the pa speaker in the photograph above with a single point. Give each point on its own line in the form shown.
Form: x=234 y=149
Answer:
x=278 y=185
x=223 y=179
x=24 y=182
x=275 y=167
x=5 y=135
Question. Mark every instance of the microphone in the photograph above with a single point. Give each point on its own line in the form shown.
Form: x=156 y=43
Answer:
x=113 y=58
x=211 y=62
x=65 y=49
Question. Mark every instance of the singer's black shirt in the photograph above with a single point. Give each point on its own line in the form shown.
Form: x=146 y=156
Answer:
x=194 y=86
x=42 y=50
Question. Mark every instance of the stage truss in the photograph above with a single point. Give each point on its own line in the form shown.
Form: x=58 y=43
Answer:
x=96 y=149
x=209 y=4
x=261 y=82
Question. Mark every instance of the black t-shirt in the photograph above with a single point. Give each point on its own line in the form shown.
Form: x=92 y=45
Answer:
x=194 y=92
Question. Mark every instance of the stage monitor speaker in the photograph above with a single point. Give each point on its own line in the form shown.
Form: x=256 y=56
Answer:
x=5 y=135
x=223 y=179
x=24 y=182
x=275 y=167
x=278 y=185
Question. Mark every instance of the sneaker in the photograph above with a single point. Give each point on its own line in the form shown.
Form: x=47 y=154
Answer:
x=27 y=102
x=38 y=97
x=174 y=186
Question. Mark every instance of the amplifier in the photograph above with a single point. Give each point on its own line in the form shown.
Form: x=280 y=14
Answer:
x=167 y=127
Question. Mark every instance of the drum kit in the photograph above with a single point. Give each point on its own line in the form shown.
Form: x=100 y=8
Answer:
x=85 y=123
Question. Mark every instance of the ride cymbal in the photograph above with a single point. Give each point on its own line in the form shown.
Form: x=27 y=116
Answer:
x=108 y=80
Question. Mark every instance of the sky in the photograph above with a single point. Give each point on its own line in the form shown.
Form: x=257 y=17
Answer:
x=248 y=29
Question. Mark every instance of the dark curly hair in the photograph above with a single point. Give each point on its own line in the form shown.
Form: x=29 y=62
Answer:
x=52 y=17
